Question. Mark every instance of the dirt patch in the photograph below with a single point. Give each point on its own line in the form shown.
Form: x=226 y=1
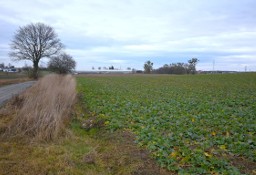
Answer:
x=244 y=165
x=122 y=151
x=92 y=122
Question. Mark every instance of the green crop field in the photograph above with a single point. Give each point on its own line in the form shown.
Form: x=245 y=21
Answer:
x=202 y=124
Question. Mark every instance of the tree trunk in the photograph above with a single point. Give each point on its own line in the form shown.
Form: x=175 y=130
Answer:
x=35 y=70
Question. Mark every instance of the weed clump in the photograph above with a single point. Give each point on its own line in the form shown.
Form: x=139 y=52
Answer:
x=45 y=109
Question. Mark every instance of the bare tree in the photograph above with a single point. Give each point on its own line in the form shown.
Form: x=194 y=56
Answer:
x=62 y=64
x=33 y=42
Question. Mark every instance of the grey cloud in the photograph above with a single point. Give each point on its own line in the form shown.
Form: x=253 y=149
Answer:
x=165 y=31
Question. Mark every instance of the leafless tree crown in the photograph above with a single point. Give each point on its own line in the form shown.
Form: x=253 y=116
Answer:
x=62 y=64
x=35 y=41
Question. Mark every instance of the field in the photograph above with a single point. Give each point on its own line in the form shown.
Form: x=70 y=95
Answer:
x=202 y=124
x=7 y=78
x=12 y=78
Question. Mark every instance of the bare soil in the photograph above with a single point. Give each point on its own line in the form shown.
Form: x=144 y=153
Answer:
x=125 y=152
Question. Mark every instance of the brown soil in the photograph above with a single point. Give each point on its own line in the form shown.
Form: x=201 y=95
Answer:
x=244 y=165
x=121 y=150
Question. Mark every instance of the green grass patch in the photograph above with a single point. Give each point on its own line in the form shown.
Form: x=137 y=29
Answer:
x=191 y=124
x=65 y=156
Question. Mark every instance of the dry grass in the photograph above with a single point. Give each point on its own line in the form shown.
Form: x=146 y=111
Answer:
x=12 y=78
x=45 y=109
x=13 y=81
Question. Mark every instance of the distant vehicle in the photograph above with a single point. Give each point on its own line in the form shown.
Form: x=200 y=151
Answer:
x=10 y=70
x=14 y=70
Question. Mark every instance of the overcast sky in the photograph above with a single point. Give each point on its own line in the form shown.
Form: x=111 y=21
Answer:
x=126 y=33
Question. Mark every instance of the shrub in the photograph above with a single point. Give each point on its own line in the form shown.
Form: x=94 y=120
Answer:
x=62 y=64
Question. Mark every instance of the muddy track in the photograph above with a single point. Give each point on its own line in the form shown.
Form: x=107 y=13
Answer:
x=7 y=92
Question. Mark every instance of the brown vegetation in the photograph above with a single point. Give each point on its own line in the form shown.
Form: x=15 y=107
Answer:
x=13 y=81
x=45 y=108
x=7 y=78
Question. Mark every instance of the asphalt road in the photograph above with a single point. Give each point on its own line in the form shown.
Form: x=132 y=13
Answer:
x=7 y=92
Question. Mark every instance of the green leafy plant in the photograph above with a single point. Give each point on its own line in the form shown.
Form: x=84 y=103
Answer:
x=190 y=124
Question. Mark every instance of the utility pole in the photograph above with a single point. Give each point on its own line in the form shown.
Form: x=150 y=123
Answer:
x=213 y=65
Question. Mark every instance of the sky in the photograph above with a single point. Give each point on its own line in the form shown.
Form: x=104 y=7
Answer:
x=127 y=33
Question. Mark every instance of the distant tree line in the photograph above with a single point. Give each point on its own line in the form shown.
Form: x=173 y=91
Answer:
x=173 y=68
x=109 y=68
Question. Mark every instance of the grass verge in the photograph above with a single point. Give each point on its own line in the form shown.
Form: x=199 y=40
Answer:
x=44 y=109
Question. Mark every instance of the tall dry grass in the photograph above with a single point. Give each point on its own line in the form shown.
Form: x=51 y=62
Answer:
x=45 y=108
